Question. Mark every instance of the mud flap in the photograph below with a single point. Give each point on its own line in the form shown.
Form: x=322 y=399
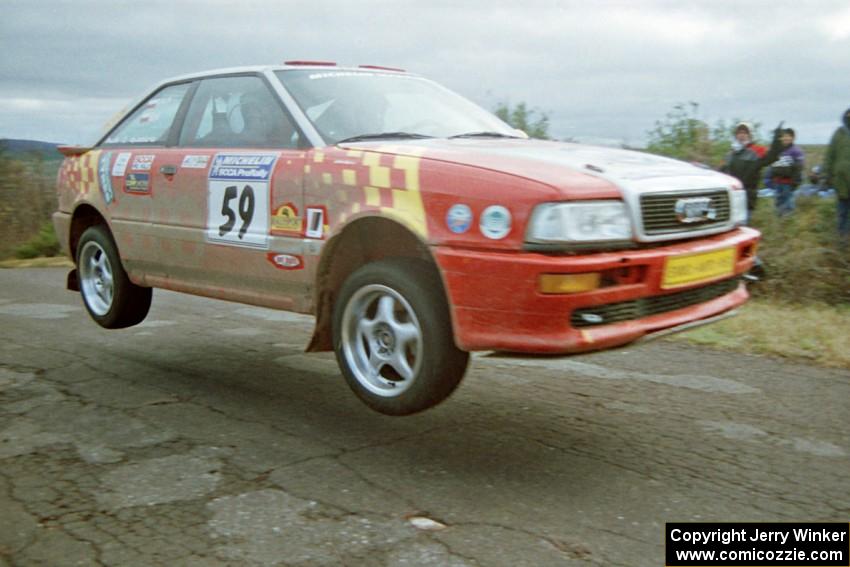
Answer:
x=322 y=340
x=72 y=283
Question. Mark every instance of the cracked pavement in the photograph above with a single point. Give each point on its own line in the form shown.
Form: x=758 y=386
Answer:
x=206 y=437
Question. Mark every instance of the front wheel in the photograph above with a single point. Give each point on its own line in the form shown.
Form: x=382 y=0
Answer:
x=111 y=299
x=393 y=337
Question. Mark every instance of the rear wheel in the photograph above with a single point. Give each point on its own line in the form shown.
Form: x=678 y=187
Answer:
x=393 y=337
x=111 y=299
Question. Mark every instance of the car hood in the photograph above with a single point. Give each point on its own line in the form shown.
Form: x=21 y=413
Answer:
x=571 y=168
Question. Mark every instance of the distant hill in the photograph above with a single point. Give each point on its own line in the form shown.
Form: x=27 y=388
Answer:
x=20 y=148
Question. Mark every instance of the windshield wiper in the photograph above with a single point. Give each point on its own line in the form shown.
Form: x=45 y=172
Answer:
x=484 y=134
x=384 y=136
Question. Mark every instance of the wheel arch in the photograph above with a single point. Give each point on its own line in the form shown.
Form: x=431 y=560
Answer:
x=84 y=216
x=364 y=240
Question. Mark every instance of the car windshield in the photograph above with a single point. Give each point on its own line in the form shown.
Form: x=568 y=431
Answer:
x=346 y=104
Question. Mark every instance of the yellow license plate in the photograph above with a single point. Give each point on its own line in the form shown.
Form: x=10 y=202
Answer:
x=695 y=268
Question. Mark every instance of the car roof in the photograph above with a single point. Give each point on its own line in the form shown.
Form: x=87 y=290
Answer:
x=328 y=67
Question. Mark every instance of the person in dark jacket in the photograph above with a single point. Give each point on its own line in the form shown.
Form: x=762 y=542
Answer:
x=837 y=173
x=786 y=173
x=746 y=159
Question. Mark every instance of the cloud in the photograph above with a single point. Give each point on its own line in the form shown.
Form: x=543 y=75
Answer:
x=836 y=26
x=604 y=69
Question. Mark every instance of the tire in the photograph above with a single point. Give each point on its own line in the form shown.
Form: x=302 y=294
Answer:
x=393 y=337
x=111 y=299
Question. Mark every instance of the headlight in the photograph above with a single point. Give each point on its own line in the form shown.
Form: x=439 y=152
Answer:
x=589 y=221
x=739 y=206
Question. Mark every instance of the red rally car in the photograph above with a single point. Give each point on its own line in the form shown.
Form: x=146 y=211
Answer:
x=414 y=225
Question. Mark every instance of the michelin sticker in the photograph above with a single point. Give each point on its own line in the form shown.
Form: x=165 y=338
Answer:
x=195 y=162
x=105 y=177
x=459 y=218
x=238 y=199
x=495 y=222
x=120 y=165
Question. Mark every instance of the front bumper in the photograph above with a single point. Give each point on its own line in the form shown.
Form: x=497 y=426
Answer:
x=496 y=303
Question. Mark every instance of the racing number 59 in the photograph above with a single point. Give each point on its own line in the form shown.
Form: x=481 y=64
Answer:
x=245 y=208
x=238 y=212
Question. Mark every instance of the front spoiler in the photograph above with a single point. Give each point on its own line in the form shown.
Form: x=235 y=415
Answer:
x=685 y=327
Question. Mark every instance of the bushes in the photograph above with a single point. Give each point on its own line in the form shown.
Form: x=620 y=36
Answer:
x=27 y=198
x=42 y=244
x=802 y=255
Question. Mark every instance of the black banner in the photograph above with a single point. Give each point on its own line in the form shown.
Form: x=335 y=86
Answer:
x=757 y=544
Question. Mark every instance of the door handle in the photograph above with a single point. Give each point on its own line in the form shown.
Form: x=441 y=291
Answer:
x=168 y=169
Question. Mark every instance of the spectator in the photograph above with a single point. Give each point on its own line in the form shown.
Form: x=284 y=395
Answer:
x=746 y=159
x=837 y=173
x=814 y=176
x=811 y=185
x=786 y=173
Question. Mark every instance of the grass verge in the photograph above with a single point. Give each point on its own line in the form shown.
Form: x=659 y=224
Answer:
x=48 y=262
x=812 y=332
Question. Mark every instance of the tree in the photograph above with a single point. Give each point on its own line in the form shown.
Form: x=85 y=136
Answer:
x=531 y=121
x=680 y=134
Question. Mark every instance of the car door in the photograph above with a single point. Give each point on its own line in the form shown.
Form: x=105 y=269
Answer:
x=235 y=183
x=129 y=156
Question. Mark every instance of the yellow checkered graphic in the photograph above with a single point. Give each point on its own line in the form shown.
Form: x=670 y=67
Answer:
x=407 y=207
x=373 y=196
x=349 y=177
x=82 y=174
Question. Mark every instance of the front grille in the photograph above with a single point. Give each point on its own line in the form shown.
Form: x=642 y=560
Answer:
x=644 y=307
x=658 y=211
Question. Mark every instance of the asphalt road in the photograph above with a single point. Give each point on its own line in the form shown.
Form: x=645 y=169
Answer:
x=206 y=437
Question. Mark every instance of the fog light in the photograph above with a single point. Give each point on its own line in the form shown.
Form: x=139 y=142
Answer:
x=569 y=283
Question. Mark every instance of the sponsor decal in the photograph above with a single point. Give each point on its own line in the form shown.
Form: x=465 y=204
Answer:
x=285 y=261
x=149 y=114
x=285 y=219
x=142 y=162
x=195 y=162
x=238 y=192
x=138 y=183
x=495 y=222
x=120 y=165
x=105 y=176
x=459 y=218
x=242 y=166
x=315 y=222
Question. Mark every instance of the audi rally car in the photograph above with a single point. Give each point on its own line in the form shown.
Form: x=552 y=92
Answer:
x=414 y=225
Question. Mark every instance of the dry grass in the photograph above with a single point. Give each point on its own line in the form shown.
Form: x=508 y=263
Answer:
x=52 y=262
x=814 y=332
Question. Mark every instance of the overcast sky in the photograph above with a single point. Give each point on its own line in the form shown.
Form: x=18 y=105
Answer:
x=604 y=71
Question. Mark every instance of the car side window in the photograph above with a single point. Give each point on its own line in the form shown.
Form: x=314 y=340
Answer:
x=151 y=122
x=237 y=112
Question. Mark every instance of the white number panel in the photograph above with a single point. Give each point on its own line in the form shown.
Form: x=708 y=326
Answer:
x=238 y=199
